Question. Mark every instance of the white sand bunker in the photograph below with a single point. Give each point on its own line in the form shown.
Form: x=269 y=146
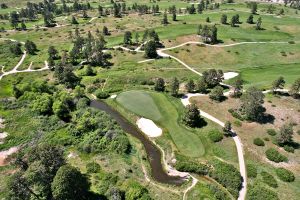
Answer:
x=148 y=127
x=229 y=75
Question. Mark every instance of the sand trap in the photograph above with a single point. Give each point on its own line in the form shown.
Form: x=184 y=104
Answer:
x=229 y=75
x=5 y=154
x=148 y=127
x=113 y=96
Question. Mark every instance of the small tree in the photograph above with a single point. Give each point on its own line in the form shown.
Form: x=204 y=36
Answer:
x=23 y=26
x=253 y=7
x=201 y=86
x=159 y=85
x=150 y=49
x=258 y=24
x=285 y=134
x=128 y=38
x=74 y=20
x=227 y=128
x=233 y=21
x=216 y=93
x=192 y=116
x=52 y=52
x=207 y=20
x=238 y=87
x=278 y=84
x=174 y=87
x=190 y=86
x=250 y=19
x=224 y=19
x=105 y=30
x=30 y=47
x=165 y=19
x=295 y=89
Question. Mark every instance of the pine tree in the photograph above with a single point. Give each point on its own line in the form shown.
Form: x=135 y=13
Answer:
x=165 y=19
x=159 y=85
x=250 y=19
x=174 y=87
x=74 y=21
x=224 y=19
x=258 y=24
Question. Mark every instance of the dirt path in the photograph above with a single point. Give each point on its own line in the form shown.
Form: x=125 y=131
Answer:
x=239 y=146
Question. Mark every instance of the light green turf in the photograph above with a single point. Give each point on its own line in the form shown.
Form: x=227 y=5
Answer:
x=186 y=141
x=140 y=103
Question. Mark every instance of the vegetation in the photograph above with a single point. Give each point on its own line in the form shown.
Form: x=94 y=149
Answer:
x=269 y=179
x=273 y=155
x=258 y=142
x=215 y=136
x=285 y=175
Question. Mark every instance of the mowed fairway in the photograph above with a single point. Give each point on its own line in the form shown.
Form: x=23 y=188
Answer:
x=158 y=108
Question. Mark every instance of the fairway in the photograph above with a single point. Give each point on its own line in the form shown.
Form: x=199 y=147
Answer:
x=157 y=107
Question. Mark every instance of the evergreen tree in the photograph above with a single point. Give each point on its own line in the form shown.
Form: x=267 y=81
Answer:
x=258 y=24
x=278 y=84
x=286 y=134
x=150 y=49
x=105 y=30
x=253 y=7
x=165 y=19
x=227 y=128
x=23 y=26
x=217 y=93
x=295 y=89
x=224 y=19
x=192 y=116
x=250 y=19
x=159 y=85
x=52 y=52
x=238 y=87
x=174 y=87
x=190 y=86
x=127 y=38
x=14 y=19
x=74 y=20
x=30 y=47
x=15 y=48
x=202 y=86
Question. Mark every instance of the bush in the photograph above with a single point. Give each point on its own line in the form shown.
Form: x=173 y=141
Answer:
x=184 y=164
x=271 y=132
x=101 y=94
x=258 y=192
x=273 y=155
x=227 y=175
x=215 y=135
x=285 y=175
x=218 y=192
x=289 y=149
x=92 y=167
x=269 y=179
x=251 y=171
x=258 y=142
x=237 y=123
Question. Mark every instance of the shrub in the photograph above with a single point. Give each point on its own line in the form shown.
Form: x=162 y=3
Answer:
x=92 y=167
x=227 y=175
x=271 y=132
x=273 y=155
x=215 y=135
x=269 y=179
x=251 y=171
x=218 y=192
x=258 y=192
x=266 y=139
x=185 y=164
x=237 y=123
x=285 y=175
x=289 y=149
x=101 y=94
x=258 y=142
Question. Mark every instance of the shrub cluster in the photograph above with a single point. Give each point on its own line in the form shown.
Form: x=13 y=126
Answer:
x=271 y=132
x=101 y=94
x=251 y=171
x=236 y=114
x=227 y=175
x=215 y=135
x=285 y=175
x=259 y=192
x=289 y=149
x=218 y=192
x=185 y=164
x=258 y=142
x=273 y=155
x=269 y=179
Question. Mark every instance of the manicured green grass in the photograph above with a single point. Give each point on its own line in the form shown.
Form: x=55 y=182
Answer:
x=185 y=140
x=140 y=103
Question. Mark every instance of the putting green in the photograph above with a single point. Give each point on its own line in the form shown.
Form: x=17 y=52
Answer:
x=157 y=107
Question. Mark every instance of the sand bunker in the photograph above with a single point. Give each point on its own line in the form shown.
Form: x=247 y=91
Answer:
x=229 y=75
x=148 y=127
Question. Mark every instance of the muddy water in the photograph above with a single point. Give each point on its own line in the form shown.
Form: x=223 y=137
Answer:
x=153 y=153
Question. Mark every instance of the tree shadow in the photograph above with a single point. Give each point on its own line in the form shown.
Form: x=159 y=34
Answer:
x=266 y=119
x=201 y=123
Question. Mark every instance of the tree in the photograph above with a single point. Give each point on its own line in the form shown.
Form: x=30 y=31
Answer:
x=285 y=134
x=74 y=20
x=15 y=48
x=23 y=26
x=252 y=104
x=30 y=47
x=150 y=49
x=159 y=85
x=85 y=15
x=233 y=21
x=17 y=92
x=238 y=87
x=253 y=6
x=128 y=38
x=224 y=19
x=207 y=20
x=214 y=35
x=105 y=30
x=216 y=93
x=60 y=109
x=190 y=86
x=52 y=52
x=227 y=128
x=250 y=19
x=192 y=116
x=174 y=17
x=213 y=77
x=14 y=19
x=165 y=19
x=278 y=84
x=65 y=75
x=258 y=24
x=43 y=104
x=174 y=87
x=70 y=184
x=201 y=86
x=295 y=89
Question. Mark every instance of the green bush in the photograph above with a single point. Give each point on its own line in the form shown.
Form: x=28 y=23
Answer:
x=285 y=175
x=289 y=149
x=238 y=123
x=258 y=142
x=218 y=192
x=227 y=175
x=101 y=94
x=271 y=132
x=92 y=167
x=215 y=135
x=273 y=155
x=185 y=164
x=269 y=179
x=251 y=171
x=259 y=192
